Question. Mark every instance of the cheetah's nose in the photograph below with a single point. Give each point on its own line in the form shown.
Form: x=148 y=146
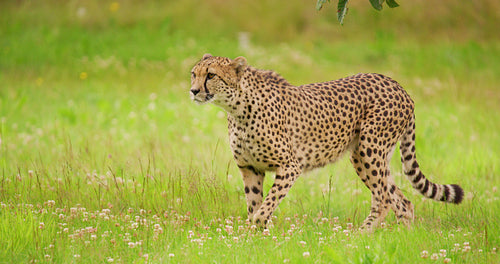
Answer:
x=195 y=91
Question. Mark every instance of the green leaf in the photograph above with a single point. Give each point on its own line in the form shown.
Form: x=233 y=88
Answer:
x=377 y=4
x=342 y=10
x=392 y=3
x=319 y=4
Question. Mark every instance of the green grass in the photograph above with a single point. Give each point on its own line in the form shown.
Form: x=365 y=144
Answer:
x=103 y=155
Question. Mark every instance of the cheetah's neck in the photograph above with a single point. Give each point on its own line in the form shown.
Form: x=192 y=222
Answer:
x=253 y=88
x=268 y=77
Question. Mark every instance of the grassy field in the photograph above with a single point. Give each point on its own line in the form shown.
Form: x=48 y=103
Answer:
x=104 y=158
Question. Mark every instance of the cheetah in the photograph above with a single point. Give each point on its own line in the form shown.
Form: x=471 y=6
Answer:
x=275 y=126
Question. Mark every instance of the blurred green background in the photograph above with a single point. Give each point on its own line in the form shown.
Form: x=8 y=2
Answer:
x=65 y=65
x=58 y=32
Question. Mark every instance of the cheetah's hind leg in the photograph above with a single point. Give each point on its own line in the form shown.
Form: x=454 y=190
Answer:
x=402 y=207
x=370 y=168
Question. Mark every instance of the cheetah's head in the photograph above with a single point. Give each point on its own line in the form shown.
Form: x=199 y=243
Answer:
x=216 y=79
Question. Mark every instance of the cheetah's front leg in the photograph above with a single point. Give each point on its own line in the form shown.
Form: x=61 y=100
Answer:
x=253 y=180
x=285 y=177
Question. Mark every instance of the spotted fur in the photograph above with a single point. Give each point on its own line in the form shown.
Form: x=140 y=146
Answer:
x=276 y=126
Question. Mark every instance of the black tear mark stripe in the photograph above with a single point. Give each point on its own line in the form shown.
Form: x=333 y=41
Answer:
x=205 y=84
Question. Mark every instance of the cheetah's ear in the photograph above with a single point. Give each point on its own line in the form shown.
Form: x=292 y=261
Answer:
x=239 y=64
x=206 y=56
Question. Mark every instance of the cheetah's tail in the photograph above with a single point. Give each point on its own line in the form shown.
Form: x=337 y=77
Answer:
x=450 y=193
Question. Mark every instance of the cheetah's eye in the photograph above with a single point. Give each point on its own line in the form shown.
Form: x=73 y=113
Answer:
x=193 y=75
x=210 y=75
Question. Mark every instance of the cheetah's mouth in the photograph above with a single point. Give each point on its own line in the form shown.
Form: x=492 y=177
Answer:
x=203 y=99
